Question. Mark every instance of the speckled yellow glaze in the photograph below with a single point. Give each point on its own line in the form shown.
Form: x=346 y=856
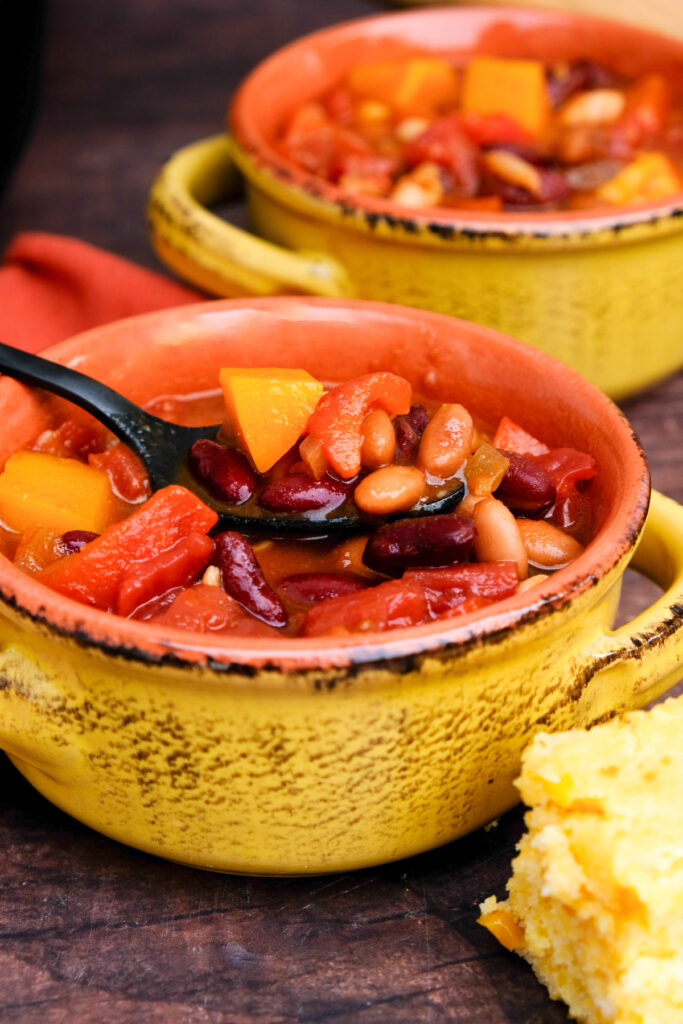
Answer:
x=311 y=756
x=601 y=291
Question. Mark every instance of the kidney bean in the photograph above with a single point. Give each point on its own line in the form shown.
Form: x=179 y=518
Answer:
x=418 y=418
x=572 y=513
x=426 y=541
x=581 y=74
x=552 y=188
x=243 y=579
x=299 y=492
x=225 y=473
x=407 y=441
x=73 y=540
x=525 y=487
x=498 y=538
x=446 y=441
x=389 y=490
x=379 y=440
x=312 y=587
x=408 y=430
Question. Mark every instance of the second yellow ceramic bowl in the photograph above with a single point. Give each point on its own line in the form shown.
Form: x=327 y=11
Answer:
x=601 y=291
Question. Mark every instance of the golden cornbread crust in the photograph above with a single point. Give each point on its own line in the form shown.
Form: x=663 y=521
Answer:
x=597 y=885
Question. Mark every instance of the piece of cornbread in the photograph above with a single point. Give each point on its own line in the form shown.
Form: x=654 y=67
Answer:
x=596 y=896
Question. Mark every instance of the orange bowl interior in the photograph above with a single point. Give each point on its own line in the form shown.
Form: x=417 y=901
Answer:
x=181 y=351
x=308 y=67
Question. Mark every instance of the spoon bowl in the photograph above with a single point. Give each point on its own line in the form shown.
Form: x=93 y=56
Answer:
x=163 y=448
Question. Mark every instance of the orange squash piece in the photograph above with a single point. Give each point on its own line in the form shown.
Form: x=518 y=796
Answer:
x=517 y=88
x=417 y=87
x=37 y=549
x=268 y=409
x=648 y=176
x=41 y=490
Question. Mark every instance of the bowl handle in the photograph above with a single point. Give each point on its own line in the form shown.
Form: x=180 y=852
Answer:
x=642 y=659
x=213 y=254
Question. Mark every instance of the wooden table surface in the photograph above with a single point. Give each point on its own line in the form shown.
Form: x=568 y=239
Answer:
x=94 y=931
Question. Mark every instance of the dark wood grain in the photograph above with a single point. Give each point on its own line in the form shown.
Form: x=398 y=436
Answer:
x=93 y=931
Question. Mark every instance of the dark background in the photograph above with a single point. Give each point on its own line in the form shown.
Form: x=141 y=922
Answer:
x=91 y=930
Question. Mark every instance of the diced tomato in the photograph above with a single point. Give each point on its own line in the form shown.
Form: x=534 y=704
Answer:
x=337 y=419
x=466 y=587
x=319 y=144
x=566 y=467
x=387 y=606
x=488 y=129
x=648 y=104
x=37 y=549
x=127 y=475
x=312 y=587
x=338 y=105
x=205 y=609
x=93 y=575
x=512 y=438
x=72 y=439
x=308 y=138
x=176 y=567
x=377 y=170
x=445 y=143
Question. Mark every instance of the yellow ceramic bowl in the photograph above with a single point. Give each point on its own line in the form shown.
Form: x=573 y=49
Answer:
x=306 y=755
x=601 y=291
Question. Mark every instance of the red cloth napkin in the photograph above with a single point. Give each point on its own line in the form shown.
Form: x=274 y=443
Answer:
x=52 y=287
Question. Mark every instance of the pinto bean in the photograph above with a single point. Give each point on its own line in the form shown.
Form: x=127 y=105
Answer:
x=446 y=441
x=379 y=440
x=530 y=582
x=547 y=545
x=513 y=168
x=212 y=576
x=425 y=541
x=498 y=536
x=389 y=490
x=594 y=107
x=466 y=506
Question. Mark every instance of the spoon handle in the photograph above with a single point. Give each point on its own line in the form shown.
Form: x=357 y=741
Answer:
x=157 y=442
x=104 y=403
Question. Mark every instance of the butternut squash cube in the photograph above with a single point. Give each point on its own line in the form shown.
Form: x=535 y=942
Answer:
x=268 y=409
x=418 y=87
x=498 y=85
x=41 y=490
x=648 y=176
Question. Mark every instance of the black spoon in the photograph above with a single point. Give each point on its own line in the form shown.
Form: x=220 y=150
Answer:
x=163 y=448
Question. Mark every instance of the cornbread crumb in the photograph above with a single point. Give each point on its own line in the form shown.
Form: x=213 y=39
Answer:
x=597 y=886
